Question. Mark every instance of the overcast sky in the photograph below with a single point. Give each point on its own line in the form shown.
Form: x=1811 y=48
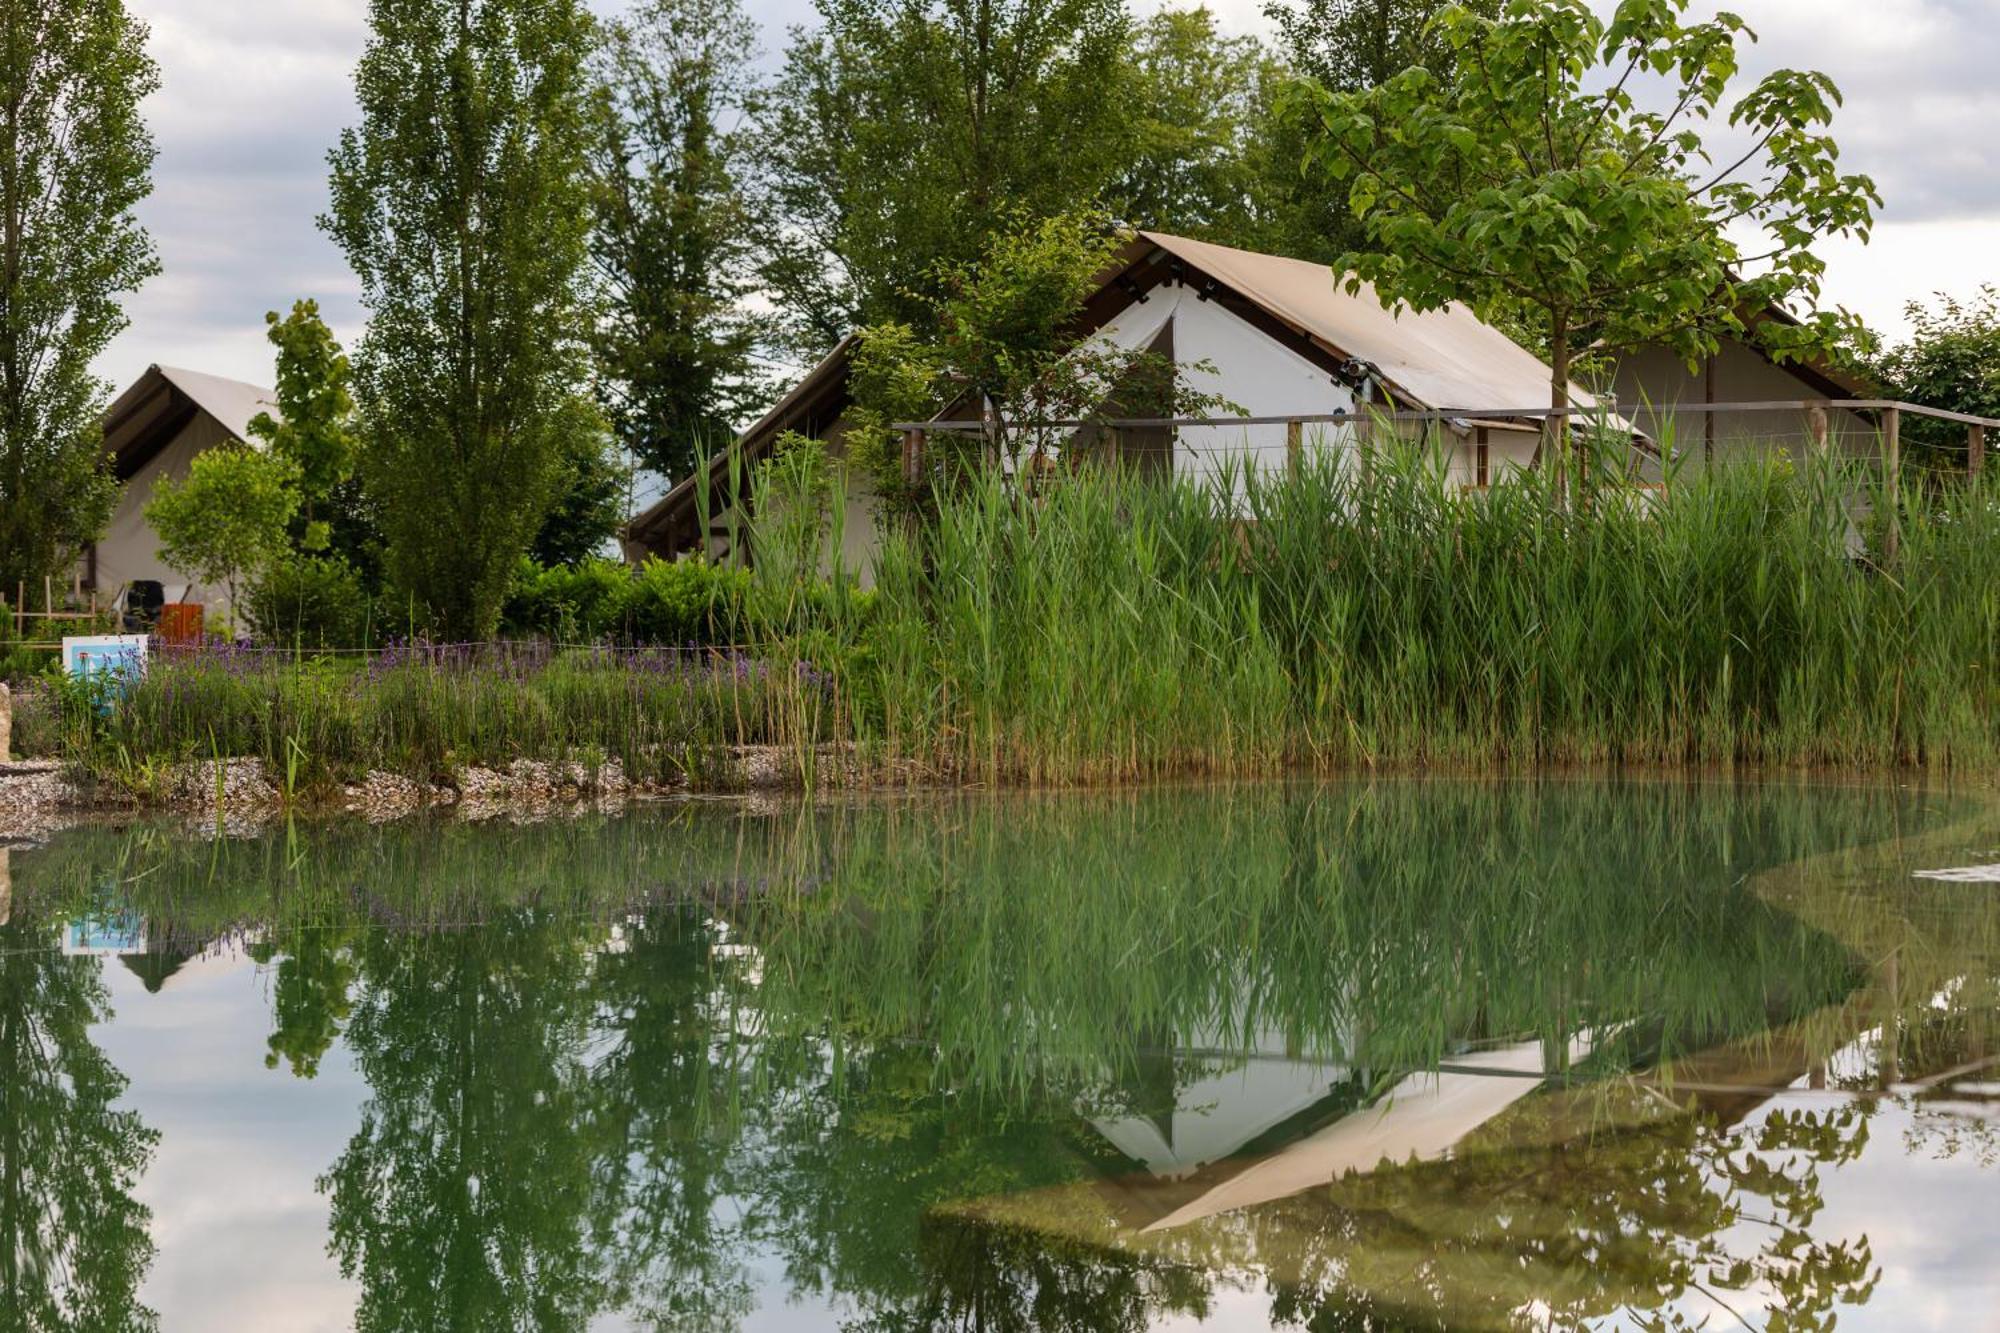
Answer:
x=254 y=92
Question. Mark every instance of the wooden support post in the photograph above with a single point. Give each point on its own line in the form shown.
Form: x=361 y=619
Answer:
x=913 y=456
x=1708 y=418
x=1892 y=479
x=6 y=724
x=1817 y=427
x=1975 y=451
x=1294 y=445
x=1481 y=475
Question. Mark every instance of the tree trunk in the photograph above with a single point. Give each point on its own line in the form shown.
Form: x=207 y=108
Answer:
x=1555 y=431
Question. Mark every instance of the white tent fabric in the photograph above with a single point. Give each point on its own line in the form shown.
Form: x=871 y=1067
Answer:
x=233 y=403
x=1420 y=1119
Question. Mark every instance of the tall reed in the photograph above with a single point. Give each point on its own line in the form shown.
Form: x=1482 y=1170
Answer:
x=1748 y=614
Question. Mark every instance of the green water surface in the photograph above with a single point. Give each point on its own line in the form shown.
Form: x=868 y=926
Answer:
x=1412 y=1054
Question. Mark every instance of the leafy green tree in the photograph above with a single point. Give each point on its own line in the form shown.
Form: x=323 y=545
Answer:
x=673 y=242
x=75 y=160
x=903 y=132
x=463 y=203
x=314 y=428
x=228 y=519
x=591 y=490
x=1355 y=45
x=1198 y=98
x=74 y=1247
x=1536 y=178
x=1346 y=45
x=1951 y=360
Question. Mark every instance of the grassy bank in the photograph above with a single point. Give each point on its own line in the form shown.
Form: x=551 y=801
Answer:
x=430 y=712
x=1108 y=629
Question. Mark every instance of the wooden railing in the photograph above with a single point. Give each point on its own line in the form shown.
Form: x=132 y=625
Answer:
x=1889 y=415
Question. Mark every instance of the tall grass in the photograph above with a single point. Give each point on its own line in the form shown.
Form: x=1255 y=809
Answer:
x=1111 y=628
x=1748 y=614
x=430 y=714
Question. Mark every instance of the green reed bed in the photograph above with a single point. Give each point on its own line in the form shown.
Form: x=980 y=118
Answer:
x=1752 y=614
x=429 y=712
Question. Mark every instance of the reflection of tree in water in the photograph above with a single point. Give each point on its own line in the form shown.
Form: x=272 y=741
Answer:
x=669 y=1081
x=461 y=1201
x=852 y=1157
x=73 y=1243
x=994 y=1279
x=1629 y=1222
x=309 y=997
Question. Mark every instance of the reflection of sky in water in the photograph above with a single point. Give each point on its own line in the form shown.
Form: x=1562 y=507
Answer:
x=242 y=1230
x=240 y=1227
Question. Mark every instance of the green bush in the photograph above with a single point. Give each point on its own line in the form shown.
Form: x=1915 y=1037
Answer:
x=313 y=602
x=687 y=601
x=576 y=603
x=662 y=602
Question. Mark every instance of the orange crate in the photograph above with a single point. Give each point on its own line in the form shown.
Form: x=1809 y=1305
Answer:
x=180 y=622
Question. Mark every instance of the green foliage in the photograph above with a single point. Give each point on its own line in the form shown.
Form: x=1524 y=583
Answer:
x=73 y=76
x=591 y=487
x=668 y=603
x=228 y=518
x=314 y=428
x=673 y=240
x=1197 y=164
x=1535 y=177
x=462 y=202
x=311 y=602
x=798 y=500
x=900 y=135
x=1952 y=360
x=325 y=722
x=580 y=602
x=688 y=601
x=1355 y=45
x=76 y=1242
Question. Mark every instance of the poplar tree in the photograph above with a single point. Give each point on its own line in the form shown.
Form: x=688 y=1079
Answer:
x=75 y=160
x=673 y=245
x=463 y=203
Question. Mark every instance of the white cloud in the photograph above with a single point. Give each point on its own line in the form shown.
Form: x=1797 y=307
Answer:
x=254 y=94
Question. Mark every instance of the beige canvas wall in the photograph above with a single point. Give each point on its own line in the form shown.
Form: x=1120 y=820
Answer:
x=130 y=549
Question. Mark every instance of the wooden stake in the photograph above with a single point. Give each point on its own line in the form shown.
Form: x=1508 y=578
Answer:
x=913 y=456
x=1294 y=443
x=1892 y=476
x=1817 y=426
x=1708 y=418
x=1975 y=451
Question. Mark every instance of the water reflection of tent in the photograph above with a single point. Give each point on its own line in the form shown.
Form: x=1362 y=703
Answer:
x=154 y=969
x=1212 y=1165
x=123 y=935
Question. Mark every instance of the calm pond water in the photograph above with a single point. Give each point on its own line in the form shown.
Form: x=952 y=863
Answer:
x=1419 y=1054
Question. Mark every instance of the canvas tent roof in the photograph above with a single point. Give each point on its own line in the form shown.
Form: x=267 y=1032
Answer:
x=160 y=402
x=1440 y=359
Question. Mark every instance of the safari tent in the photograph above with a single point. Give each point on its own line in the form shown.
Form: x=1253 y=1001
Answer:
x=1278 y=338
x=153 y=431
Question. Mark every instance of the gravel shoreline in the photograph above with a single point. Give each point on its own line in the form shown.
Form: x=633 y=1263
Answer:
x=37 y=797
